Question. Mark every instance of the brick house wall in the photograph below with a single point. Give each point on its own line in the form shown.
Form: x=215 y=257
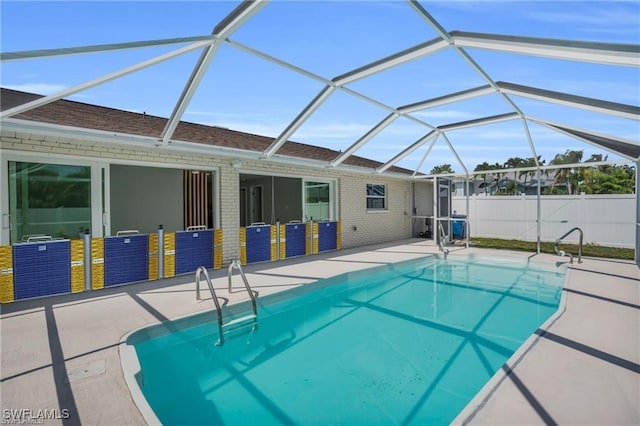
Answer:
x=359 y=227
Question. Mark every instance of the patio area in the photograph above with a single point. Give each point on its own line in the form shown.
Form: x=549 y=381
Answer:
x=62 y=352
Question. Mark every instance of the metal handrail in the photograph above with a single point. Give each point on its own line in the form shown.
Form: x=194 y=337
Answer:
x=200 y=271
x=235 y=264
x=197 y=228
x=441 y=242
x=40 y=237
x=254 y=317
x=127 y=232
x=562 y=253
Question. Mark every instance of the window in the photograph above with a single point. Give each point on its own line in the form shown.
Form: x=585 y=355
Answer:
x=376 y=197
x=51 y=199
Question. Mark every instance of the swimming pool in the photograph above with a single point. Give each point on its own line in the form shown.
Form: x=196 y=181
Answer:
x=400 y=344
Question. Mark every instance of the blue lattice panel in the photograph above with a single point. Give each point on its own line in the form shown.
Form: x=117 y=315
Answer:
x=258 y=240
x=327 y=236
x=193 y=249
x=41 y=269
x=296 y=236
x=126 y=259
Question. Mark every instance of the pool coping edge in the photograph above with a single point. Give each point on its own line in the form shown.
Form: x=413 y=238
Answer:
x=130 y=367
x=481 y=398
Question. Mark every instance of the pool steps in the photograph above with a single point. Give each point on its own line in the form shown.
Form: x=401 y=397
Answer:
x=236 y=323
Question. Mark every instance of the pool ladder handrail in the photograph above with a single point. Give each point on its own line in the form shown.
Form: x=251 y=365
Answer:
x=562 y=253
x=441 y=242
x=234 y=322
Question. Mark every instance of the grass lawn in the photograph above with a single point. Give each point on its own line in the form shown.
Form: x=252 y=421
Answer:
x=546 y=247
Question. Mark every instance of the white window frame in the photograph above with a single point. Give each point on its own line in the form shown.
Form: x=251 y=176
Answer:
x=385 y=198
x=333 y=199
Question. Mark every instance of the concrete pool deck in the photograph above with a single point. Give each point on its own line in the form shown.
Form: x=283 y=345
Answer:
x=61 y=353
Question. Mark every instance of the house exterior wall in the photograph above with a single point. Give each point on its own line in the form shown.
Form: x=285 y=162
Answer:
x=373 y=227
x=359 y=227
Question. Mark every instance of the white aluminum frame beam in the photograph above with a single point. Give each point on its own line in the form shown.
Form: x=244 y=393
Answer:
x=228 y=25
x=270 y=150
x=583 y=51
x=238 y=16
x=317 y=101
x=479 y=121
x=532 y=146
x=364 y=139
x=555 y=127
x=533 y=169
x=42 y=53
x=447 y=99
x=385 y=107
x=188 y=91
x=417 y=144
x=277 y=61
x=299 y=120
x=447 y=36
x=590 y=104
x=426 y=154
x=455 y=153
x=92 y=83
x=637 y=248
x=415 y=52
x=322 y=80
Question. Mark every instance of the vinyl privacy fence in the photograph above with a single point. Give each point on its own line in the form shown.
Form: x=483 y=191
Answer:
x=607 y=220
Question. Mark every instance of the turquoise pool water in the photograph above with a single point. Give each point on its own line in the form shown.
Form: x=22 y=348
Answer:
x=410 y=343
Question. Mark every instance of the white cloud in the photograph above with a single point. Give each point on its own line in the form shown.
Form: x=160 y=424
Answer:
x=39 y=88
x=611 y=17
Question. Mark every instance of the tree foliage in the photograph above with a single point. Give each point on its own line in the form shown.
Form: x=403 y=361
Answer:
x=443 y=168
x=568 y=175
x=609 y=179
x=596 y=179
x=483 y=168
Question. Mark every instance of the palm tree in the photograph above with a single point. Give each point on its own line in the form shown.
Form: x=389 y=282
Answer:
x=496 y=167
x=498 y=175
x=529 y=162
x=566 y=175
x=443 y=168
x=514 y=163
x=483 y=168
x=595 y=158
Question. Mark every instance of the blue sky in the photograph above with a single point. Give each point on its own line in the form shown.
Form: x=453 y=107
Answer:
x=328 y=38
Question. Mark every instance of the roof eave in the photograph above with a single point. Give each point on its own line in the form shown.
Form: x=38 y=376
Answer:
x=89 y=136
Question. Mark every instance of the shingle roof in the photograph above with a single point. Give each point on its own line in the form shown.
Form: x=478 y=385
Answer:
x=87 y=116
